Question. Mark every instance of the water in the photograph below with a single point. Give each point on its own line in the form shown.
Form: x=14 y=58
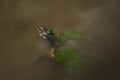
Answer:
x=23 y=55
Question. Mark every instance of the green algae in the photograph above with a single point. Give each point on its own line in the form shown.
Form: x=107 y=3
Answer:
x=68 y=57
x=71 y=35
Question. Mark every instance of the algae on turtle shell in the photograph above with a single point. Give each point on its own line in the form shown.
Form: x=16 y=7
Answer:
x=71 y=35
x=68 y=54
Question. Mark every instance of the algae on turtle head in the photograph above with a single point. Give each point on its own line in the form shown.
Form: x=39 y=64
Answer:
x=50 y=32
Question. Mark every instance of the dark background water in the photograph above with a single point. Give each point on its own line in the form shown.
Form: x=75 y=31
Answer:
x=23 y=55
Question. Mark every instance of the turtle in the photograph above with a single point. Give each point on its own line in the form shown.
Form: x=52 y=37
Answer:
x=66 y=49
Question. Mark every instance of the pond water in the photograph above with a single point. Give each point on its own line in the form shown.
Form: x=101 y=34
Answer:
x=24 y=55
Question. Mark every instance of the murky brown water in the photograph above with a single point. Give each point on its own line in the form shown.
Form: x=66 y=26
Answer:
x=23 y=55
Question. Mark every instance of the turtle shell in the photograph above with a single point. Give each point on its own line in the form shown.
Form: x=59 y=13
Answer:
x=69 y=53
